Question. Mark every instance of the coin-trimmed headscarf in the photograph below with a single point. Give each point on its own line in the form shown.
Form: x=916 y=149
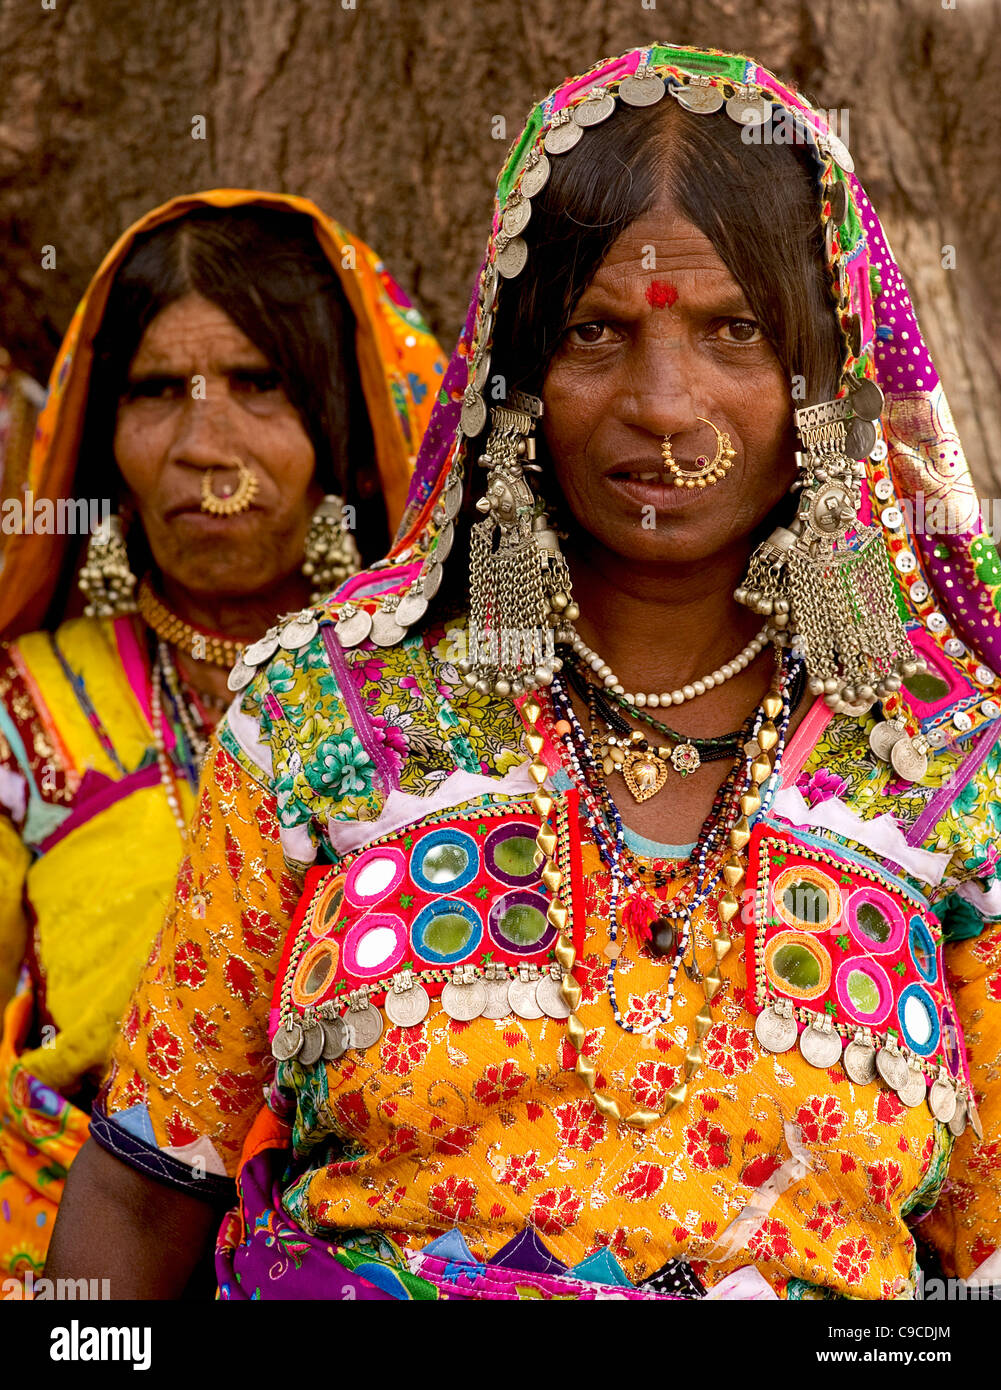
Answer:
x=948 y=586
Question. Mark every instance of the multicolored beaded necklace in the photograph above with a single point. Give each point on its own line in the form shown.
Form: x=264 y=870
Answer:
x=647 y=920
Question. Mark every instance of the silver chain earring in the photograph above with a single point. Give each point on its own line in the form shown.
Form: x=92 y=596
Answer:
x=830 y=597
x=105 y=579
x=330 y=554
x=519 y=583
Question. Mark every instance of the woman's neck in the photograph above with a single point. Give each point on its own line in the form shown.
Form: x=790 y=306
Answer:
x=243 y=617
x=660 y=629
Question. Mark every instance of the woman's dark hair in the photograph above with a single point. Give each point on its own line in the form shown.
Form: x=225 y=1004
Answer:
x=266 y=270
x=759 y=204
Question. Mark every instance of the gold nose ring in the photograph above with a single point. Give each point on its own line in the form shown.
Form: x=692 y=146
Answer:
x=710 y=471
x=236 y=500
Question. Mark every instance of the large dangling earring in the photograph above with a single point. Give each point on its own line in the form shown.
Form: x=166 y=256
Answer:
x=105 y=579
x=519 y=583
x=831 y=599
x=330 y=554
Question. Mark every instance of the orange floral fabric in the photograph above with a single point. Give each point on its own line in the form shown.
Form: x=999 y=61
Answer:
x=485 y=1127
x=965 y=1225
x=193 y=1047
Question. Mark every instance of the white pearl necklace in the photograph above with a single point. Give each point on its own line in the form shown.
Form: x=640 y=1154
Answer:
x=607 y=676
x=162 y=760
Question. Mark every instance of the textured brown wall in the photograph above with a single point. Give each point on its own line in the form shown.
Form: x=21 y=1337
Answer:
x=384 y=114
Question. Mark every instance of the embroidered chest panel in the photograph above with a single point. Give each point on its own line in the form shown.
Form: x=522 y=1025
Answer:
x=845 y=962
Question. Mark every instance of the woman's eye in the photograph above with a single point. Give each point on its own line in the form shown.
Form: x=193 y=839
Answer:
x=742 y=331
x=255 y=382
x=587 y=333
x=155 y=388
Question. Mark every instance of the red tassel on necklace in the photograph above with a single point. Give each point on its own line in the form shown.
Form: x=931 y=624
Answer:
x=636 y=916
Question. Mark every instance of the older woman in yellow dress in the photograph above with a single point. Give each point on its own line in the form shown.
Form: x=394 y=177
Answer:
x=245 y=388
x=645 y=800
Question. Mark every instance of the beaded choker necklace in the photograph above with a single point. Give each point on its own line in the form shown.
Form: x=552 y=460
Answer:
x=199 y=645
x=719 y=850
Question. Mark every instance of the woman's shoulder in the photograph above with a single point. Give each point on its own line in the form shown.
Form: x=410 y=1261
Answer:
x=334 y=724
x=43 y=730
x=947 y=821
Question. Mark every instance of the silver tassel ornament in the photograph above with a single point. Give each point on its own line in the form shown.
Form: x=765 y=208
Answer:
x=831 y=596
x=519 y=583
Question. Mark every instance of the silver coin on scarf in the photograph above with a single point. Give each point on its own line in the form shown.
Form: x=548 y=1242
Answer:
x=914 y=1091
x=413 y=606
x=432 y=579
x=298 y=633
x=313 y=1041
x=839 y=203
x=485 y=328
x=561 y=138
x=522 y=997
x=473 y=415
x=511 y=261
x=517 y=217
x=957 y=1124
x=498 y=1005
x=860 y=437
x=549 y=997
x=335 y=1038
x=452 y=501
x=287 y=1041
x=386 y=631
x=240 y=676
x=883 y=737
x=481 y=370
x=489 y=283
x=408 y=1007
x=703 y=100
x=855 y=335
x=445 y=538
x=775 y=1032
x=642 y=91
x=892 y=1068
x=353 y=628
x=942 y=1100
x=596 y=107
x=261 y=650
x=463 y=1002
x=820 y=1048
x=364 y=1026
x=839 y=152
x=748 y=110
x=867 y=400
x=973 y=1115
x=535 y=177
x=859 y=1062
x=908 y=761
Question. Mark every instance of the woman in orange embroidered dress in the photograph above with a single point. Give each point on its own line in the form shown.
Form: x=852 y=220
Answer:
x=642 y=801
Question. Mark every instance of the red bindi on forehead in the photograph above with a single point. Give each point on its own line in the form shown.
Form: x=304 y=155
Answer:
x=659 y=293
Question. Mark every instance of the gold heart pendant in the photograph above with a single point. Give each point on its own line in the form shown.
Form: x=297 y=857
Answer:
x=644 y=774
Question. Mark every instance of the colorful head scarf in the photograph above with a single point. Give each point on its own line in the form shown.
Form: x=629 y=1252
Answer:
x=948 y=586
x=398 y=360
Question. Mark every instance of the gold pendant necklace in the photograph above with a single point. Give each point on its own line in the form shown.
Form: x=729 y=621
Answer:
x=553 y=847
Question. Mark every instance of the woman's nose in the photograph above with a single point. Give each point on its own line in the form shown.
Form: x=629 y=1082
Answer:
x=658 y=395
x=206 y=436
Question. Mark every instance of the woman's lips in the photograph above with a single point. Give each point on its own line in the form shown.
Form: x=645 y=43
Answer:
x=647 y=489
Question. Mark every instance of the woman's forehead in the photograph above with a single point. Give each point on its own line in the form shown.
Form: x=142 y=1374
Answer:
x=660 y=244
